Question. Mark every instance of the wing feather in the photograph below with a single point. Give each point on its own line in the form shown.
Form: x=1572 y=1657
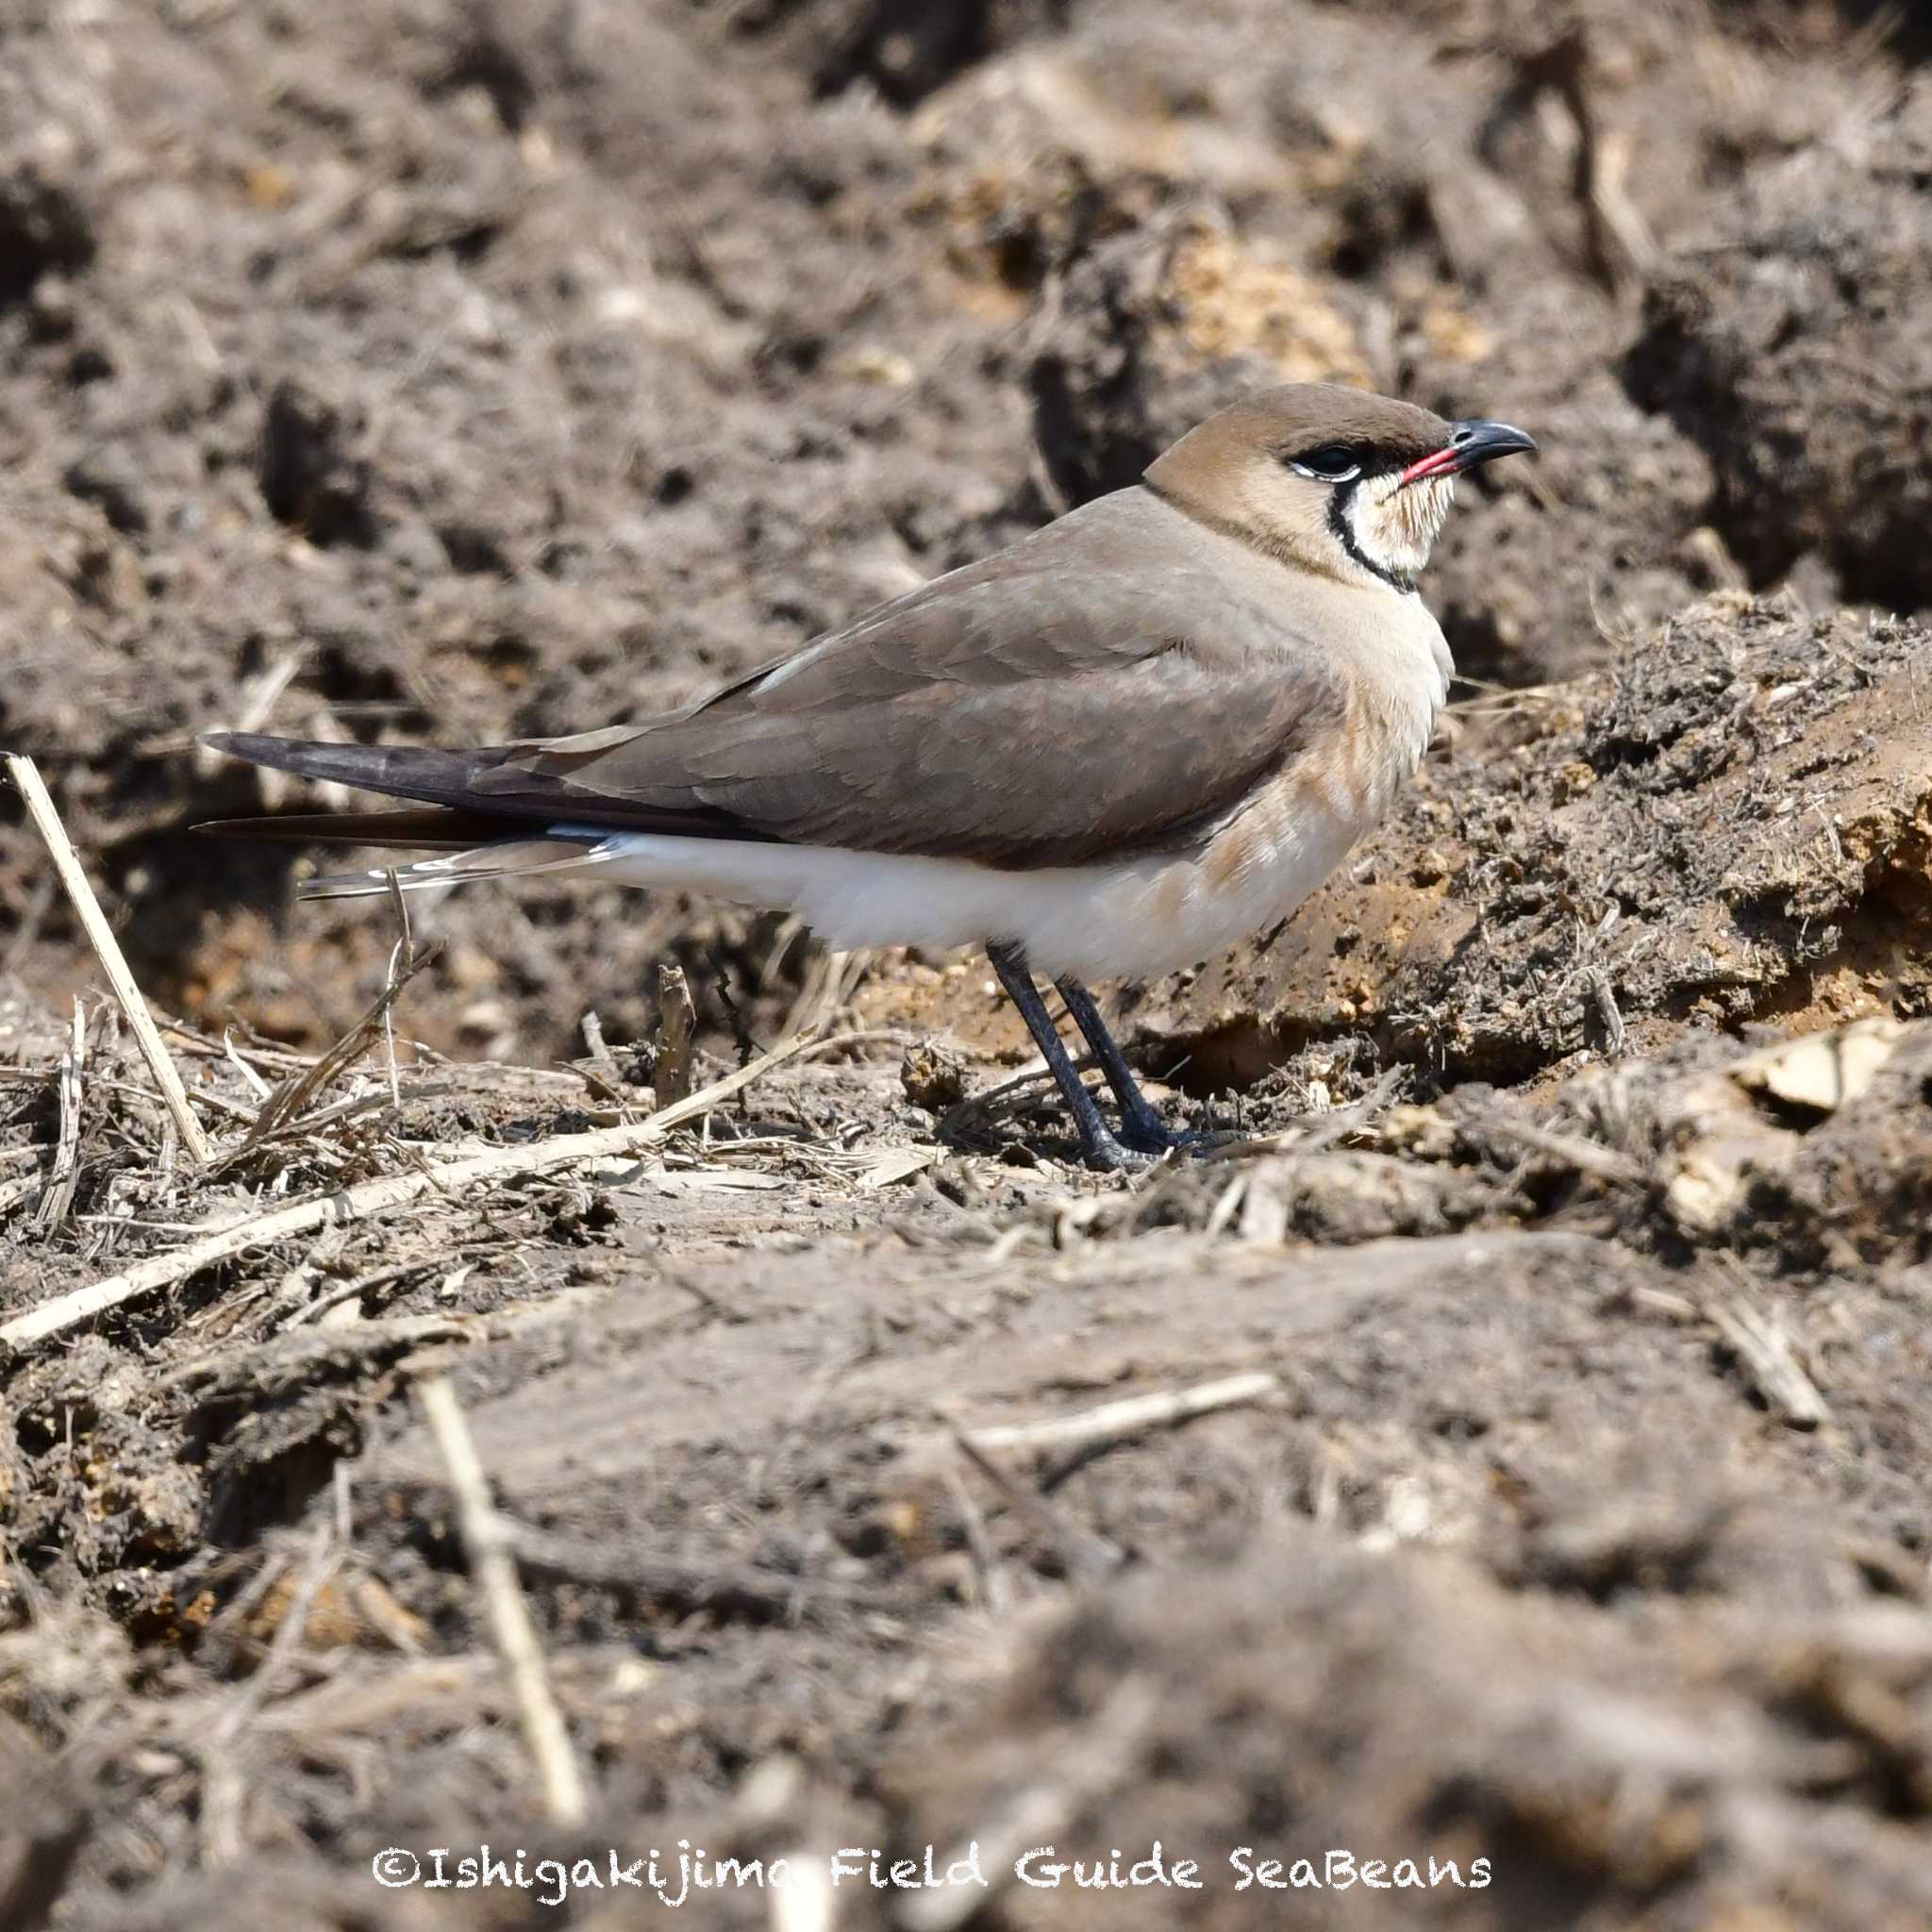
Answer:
x=1097 y=688
x=1101 y=688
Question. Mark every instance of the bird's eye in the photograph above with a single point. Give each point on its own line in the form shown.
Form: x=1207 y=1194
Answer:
x=1333 y=462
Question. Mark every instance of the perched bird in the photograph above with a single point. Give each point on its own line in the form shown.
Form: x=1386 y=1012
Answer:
x=1111 y=750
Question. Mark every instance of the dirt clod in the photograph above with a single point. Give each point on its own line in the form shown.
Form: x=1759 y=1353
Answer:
x=1783 y=340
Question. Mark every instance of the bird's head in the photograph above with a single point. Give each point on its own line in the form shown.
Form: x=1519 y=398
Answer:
x=1352 y=485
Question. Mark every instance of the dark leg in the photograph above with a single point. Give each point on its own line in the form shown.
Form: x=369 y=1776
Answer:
x=1097 y=1144
x=1141 y=1128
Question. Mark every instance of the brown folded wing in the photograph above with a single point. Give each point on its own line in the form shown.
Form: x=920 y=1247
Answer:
x=1120 y=683
x=1104 y=688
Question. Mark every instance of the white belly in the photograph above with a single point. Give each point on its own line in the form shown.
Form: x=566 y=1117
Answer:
x=1135 y=919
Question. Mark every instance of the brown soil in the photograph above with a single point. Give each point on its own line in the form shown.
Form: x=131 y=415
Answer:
x=427 y=370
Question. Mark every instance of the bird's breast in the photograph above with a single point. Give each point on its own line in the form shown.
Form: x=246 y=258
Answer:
x=1297 y=826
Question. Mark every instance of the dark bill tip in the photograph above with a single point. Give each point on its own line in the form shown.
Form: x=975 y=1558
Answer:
x=1479 y=441
x=1475 y=442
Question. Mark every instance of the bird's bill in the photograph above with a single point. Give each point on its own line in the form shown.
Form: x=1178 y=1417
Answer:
x=1470 y=443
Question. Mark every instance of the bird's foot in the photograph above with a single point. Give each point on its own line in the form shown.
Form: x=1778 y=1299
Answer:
x=1150 y=1135
x=1133 y=1150
x=1147 y=1133
x=1145 y=1139
x=1104 y=1153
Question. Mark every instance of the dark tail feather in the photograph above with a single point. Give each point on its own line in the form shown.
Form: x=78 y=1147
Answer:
x=432 y=829
x=402 y=771
x=484 y=784
x=477 y=845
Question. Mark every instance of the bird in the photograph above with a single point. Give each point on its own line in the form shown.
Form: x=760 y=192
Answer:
x=1115 y=748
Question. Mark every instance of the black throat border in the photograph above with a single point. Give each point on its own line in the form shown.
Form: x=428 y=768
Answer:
x=1339 y=501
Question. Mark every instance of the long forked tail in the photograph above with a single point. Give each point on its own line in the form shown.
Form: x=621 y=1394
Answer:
x=496 y=843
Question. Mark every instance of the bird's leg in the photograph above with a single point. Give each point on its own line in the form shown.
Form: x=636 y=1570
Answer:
x=1097 y=1144
x=1141 y=1128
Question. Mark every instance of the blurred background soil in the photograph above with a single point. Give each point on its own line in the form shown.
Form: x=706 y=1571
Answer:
x=445 y=371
